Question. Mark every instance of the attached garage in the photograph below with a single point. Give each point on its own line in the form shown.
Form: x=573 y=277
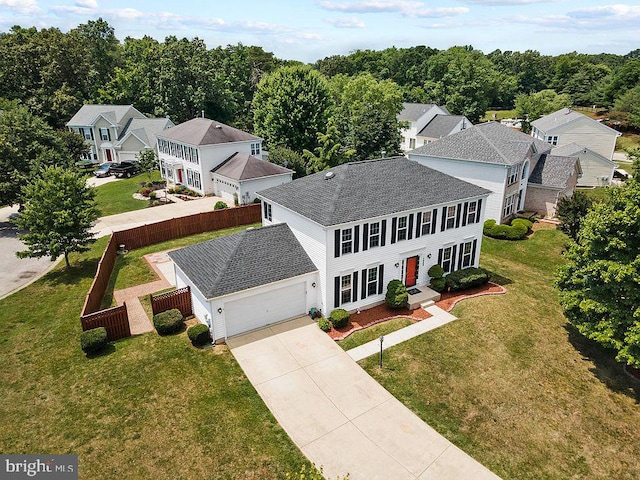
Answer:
x=248 y=280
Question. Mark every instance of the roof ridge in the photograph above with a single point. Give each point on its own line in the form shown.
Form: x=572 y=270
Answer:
x=492 y=144
x=223 y=270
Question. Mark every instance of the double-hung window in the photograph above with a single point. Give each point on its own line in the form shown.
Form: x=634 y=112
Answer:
x=86 y=132
x=267 y=211
x=104 y=134
x=552 y=139
x=372 y=281
x=447 y=259
x=402 y=228
x=374 y=234
x=508 y=205
x=255 y=149
x=513 y=173
x=467 y=254
x=346 y=240
x=472 y=211
x=451 y=217
x=345 y=289
x=426 y=223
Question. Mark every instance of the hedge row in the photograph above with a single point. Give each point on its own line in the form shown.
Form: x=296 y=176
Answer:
x=168 y=322
x=516 y=231
x=466 y=278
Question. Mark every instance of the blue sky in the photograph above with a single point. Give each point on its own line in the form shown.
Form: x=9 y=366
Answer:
x=308 y=30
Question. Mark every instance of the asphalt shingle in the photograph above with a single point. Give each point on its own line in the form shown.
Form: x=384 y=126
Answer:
x=88 y=113
x=242 y=166
x=202 y=131
x=413 y=111
x=369 y=189
x=243 y=260
x=553 y=171
x=441 y=126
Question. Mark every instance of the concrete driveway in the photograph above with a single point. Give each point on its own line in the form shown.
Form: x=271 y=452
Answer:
x=339 y=416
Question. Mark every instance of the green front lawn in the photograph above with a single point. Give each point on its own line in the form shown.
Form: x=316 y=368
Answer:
x=500 y=115
x=373 y=333
x=150 y=407
x=514 y=386
x=117 y=197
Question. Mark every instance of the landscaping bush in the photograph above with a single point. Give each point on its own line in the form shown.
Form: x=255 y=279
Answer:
x=516 y=231
x=339 y=318
x=168 y=322
x=466 y=278
x=397 y=296
x=436 y=271
x=145 y=191
x=324 y=324
x=439 y=284
x=199 y=335
x=94 y=340
x=220 y=205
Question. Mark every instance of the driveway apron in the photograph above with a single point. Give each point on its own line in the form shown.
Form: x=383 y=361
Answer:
x=340 y=417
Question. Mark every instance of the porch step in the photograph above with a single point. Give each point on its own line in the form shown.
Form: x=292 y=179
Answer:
x=425 y=305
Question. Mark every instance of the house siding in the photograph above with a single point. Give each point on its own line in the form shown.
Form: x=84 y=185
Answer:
x=596 y=171
x=249 y=188
x=587 y=133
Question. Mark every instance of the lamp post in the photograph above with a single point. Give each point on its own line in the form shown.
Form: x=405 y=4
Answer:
x=381 y=340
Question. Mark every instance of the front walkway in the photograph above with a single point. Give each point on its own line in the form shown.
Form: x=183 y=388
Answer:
x=339 y=416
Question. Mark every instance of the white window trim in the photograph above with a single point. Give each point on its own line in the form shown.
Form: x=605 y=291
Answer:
x=466 y=257
x=404 y=229
x=346 y=288
x=373 y=236
x=509 y=203
x=373 y=282
x=426 y=224
x=451 y=217
x=451 y=260
x=346 y=243
x=472 y=214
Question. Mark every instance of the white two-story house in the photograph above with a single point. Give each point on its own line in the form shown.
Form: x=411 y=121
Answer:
x=116 y=133
x=501 y=159
x=427 y=123
x=359 y=225
x=210 y=157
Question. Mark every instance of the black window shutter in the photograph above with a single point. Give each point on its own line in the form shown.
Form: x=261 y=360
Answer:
x=336 y=292
x=383 y=233
x=354 y=289
x=478 y=210
x=453 y=257
x=443 y=221
x=365 y=279
x=464 y=213
x=337 y=243
x=109 y=134
x=365 y=237
x=356 y=238
x=473 y=252
x=460 y=256
x=394 y=228
x=91 y=131
x=380 y=279
x=264 y=209
x=418 y=224
x=440 y=257
x=458 y=212
x=410 y=228
x=434 y=220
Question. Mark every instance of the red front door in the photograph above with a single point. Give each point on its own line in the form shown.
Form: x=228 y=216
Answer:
x=411 y=274
x=179 y=176
x=109 y=155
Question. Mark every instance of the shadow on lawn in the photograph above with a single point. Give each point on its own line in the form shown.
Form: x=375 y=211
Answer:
x=79 y=269
x=605 y=367
x=499 y=279
x=108 y=350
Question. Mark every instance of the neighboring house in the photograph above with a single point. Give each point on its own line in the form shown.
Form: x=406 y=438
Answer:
x=498 y=158
x=426 y=123
x=116 y=132
x=597 y=171
x=567 y=126
x=334 y=240
x=553 y=178
x=210 y=157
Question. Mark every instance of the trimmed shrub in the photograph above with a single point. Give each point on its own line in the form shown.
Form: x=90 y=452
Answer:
x=324 y=324
x=220 y=205
x=516 y=231
x=94 y=340
x=435 y=271
x=397 y=296
x=199 y=335
x=466 y=278
x=145 y=191
x=339 y=318
x=168 y=322
x=439 y=284
x=523 y=222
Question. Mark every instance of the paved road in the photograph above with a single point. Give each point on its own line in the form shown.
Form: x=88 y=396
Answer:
x=339 y=416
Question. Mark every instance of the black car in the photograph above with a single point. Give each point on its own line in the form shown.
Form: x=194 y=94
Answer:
x=124 y=169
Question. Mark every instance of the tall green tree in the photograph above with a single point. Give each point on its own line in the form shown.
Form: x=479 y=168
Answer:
x=571 y=211
x=626 y=108
x=329 y=152
x=289 y=159
x=533 y=106
x=600 y=284
x=58 y=214
x=290 y=107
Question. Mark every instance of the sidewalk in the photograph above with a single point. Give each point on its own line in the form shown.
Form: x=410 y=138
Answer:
x=438 y=318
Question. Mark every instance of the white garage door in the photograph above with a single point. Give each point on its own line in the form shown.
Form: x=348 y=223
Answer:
x=264 y=309
x=126 y=156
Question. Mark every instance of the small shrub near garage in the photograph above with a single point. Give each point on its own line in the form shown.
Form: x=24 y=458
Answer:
x=397 y=296
x=220 y=205
x=339 y=318
x=436 y=273
x=199 y=335
x=466 y=278
x=516 y=231
x=94 y=340
x=324 y=324
x=168 y=322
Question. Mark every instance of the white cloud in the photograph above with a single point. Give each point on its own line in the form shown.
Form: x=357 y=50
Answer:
x=23 y=7
x=87 y=3
x=506 y=2
x=402 y=7
x=606 y=17
x=439 y=12
x=608 y=12
x=350 y=22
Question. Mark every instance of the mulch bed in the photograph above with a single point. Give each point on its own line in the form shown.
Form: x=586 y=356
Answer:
x=382 y=313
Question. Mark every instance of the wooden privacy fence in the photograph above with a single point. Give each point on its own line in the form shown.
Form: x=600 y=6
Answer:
x=180 y=299
x=115 y=319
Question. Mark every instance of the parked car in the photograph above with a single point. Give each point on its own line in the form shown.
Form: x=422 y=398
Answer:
x=124 y=169
x=103 y=170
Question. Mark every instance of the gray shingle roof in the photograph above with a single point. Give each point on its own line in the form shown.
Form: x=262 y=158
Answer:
x=202 y=131
x=243 y=260
x=368 y=189
x=113 y=113
x=146 y=129
x=242 y=166
x=489 y=142
x=562 y=117
x=441 y=126
x=413 y=111
x=553 y=171
x=573 y=149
